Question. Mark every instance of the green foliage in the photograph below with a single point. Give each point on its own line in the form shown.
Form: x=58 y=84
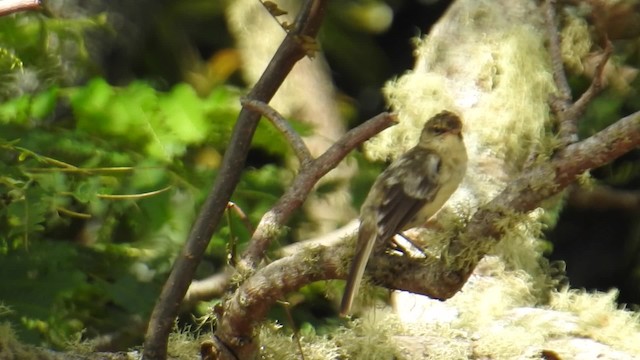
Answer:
x=117 y=181
x=37 y=51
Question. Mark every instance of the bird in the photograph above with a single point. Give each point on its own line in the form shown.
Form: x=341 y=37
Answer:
x=409 y=192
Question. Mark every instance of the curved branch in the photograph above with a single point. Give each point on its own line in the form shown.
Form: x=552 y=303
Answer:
x=290 y=51
x=436 y=278
x=11 y=6
x=215 y=285
x=304 y=182
x=540 y=182
x=280 y=123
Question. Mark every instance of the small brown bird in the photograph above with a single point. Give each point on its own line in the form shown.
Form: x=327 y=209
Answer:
x=410 y=191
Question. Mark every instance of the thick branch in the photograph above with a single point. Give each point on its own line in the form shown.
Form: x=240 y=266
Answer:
x=529 y=189
x=214 y=286
x=436 y=278
x=166 y=309
x=10 y=6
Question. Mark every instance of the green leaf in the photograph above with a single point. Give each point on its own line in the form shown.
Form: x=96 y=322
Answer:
x=43 y=103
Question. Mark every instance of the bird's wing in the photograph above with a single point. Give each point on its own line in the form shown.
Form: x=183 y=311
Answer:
x=405 y=187
x=413 y=182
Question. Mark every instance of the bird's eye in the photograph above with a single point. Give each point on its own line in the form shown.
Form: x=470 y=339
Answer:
x=439 y=130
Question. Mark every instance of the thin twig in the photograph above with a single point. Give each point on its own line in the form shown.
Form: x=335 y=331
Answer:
x=279 y=122
x=296 y=332
x=206 y=289
x=241 y=215
x=10 y=6
x=289 y=52
x=577 y=109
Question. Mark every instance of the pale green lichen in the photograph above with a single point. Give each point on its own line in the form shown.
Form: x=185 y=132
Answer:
x=600 y=319
x=575 y=42
x=501 y=110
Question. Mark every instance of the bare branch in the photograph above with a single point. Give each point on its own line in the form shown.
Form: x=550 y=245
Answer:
x=251 y=301
x=303 y=184
x=280 y=123
x=290 y=51
x=10 y=6
x=231 y=206
x=206 y=289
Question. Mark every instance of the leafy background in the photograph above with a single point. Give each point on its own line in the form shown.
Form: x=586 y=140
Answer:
x=110 y=137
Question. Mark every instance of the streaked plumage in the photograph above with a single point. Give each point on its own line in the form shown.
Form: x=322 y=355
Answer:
x=411 y=190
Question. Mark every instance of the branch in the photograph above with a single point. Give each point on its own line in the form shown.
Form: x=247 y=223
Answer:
x=214 y=286
x=578 y=108
x=11 y=6
x=436 y=278
x=206 y=289
x=569 y=113
x=234 y=337
x=559 y=77
x=528 y=190
x=280 y=123
x=290 y=51
x=602 y=197
x=307 y=177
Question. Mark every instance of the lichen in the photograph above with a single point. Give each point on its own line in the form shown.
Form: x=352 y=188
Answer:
x=575 y=42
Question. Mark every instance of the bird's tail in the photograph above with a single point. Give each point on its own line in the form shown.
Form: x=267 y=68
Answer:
x=366 y=240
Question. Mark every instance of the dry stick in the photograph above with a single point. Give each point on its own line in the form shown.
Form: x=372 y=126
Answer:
x=241 y=215
x=206 y=289
x=10 y=6
x=279 y=122
x=435 y=278
x=290 y=51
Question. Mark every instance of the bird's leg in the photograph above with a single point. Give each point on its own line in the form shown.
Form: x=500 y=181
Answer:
x=403 y=248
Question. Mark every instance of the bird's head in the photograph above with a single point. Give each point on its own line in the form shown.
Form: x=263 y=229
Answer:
x=441 y=128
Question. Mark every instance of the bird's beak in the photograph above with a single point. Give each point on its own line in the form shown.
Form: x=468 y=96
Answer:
x=455 y=131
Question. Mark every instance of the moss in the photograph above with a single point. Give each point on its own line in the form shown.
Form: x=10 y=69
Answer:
x=11 y=348
x=600 y=319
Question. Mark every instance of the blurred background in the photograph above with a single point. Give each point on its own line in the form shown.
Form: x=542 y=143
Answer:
x=115 y=116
